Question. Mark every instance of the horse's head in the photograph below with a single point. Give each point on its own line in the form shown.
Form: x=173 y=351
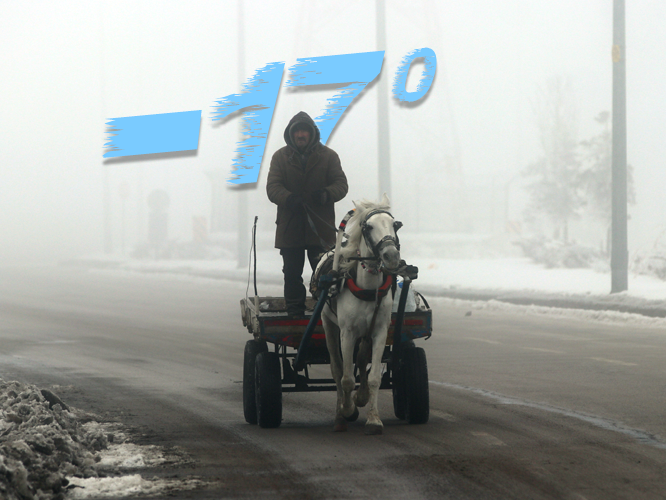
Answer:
x=379 y=230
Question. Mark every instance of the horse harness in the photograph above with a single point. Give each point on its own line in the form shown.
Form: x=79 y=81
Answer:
x=381 y=291
x=389 y=283
x=386 y=240
x=370 y=294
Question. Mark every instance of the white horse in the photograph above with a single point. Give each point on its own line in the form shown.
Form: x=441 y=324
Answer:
x=348 y=320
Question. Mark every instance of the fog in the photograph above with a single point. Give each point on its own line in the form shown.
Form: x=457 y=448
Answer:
x=67 y=67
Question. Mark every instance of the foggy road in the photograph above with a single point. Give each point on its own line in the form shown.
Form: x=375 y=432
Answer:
x=521 y=406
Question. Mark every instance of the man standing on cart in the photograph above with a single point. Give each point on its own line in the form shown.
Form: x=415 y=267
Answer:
x=304 y=181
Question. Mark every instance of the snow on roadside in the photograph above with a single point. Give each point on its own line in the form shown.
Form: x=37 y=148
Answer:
x=515 y=274
x=125 y=456
x=598 y=316
x=49 y=450
x=124 y=486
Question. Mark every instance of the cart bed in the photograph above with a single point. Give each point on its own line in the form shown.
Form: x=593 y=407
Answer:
x=271 y=323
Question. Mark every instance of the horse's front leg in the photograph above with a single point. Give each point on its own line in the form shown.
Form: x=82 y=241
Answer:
x=333 y=344
x=362 y=359
x=374 y=425
x=348 y=341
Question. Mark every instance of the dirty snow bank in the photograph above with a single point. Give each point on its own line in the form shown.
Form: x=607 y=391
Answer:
x=42 y=441
x=128 y=486
x=51 y=451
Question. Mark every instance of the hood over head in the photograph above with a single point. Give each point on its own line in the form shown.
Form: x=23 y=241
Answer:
x=300 y=120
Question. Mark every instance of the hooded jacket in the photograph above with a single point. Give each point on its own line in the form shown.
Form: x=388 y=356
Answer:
x=302 y=173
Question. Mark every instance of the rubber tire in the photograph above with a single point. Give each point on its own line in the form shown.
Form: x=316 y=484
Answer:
x=399 y=393
x=252 y=348
x=268 y=389
x=417 y=408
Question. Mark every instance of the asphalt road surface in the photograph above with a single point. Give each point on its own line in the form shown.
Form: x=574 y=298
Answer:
x=522 y=405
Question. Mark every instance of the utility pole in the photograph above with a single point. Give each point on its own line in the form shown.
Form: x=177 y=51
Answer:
x=383 y=148
x=241 y=192
x=106 y=200
x=106 y=189
x=124 y=193
x=619 y=252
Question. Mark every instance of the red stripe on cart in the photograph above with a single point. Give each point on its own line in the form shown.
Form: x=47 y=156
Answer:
x=289 y=322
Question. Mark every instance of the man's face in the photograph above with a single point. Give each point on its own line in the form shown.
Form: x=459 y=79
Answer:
x=302 y=137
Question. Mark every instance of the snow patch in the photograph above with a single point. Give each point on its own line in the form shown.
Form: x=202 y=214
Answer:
x=605 y=317
x=131 y=456
x=121 y=487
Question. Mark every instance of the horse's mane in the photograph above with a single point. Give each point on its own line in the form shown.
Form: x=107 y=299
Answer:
x=353 y=230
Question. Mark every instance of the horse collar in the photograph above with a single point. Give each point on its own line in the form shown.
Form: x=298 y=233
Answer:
x=371 y=294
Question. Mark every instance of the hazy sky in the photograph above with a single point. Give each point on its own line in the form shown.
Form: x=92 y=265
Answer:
x=68 y=66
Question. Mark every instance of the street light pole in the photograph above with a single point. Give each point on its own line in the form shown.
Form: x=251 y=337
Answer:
x=106 y=189
x=383 y=153
x=106 y=201
x=241 y=192
x=619 y=252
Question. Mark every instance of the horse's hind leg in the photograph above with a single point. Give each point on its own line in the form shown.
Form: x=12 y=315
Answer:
x=333 y=344
x=374 y=425
x=364 y=350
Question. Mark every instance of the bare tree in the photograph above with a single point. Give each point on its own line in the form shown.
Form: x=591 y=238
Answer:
x=555 y=190
x=595 y=175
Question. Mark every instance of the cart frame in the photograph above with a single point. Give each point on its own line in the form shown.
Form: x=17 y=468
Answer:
x=301 y=342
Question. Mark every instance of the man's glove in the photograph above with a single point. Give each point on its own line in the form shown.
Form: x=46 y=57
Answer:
x=294 y=202
x=320 y=196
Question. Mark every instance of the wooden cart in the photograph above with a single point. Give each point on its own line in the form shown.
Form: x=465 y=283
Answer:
x=297 y=344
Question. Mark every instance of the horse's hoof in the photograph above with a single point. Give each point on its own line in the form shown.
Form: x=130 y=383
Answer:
x=373 y=429
x=353 y=417
x=360 y=401
x=340 y=424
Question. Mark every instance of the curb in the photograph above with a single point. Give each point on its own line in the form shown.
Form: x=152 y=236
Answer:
x=649 y=308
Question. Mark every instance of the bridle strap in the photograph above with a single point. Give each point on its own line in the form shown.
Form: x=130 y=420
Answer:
x=376 y=248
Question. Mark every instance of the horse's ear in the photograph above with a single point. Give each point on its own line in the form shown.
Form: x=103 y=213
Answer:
x=385 y=200
x=356 y=205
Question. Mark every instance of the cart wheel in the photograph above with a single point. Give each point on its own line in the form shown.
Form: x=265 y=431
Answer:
x=399 y=395
x=268 y=389
x=252 y=348
x=399 y=388
x=417 y=397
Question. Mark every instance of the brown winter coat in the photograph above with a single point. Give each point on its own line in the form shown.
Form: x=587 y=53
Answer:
x=292 y=172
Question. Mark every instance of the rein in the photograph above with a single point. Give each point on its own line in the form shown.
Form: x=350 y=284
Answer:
x=324 y=245
x=368 y=269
